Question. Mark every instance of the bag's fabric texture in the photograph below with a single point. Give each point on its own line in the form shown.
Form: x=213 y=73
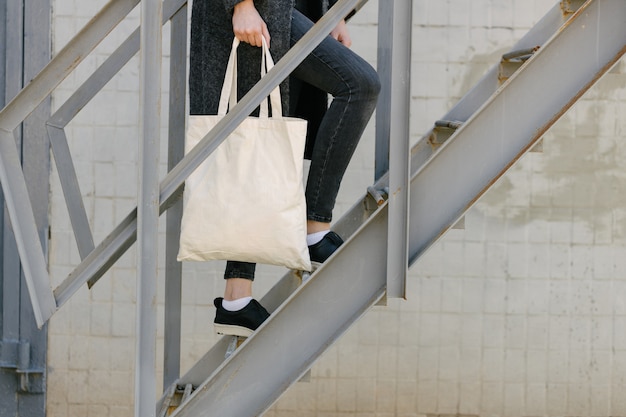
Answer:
x=246 y=201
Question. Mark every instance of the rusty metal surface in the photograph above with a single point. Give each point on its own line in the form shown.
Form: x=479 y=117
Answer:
x=569 y=7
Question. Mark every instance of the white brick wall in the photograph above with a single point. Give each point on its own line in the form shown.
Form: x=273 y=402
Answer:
x=522 y=313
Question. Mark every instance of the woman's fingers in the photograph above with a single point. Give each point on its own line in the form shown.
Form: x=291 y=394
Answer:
x=248 y=25
x=341 y=34
x=266 y=35
x=253 y=36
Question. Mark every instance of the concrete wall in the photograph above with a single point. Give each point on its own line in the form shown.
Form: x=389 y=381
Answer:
x=520 y=314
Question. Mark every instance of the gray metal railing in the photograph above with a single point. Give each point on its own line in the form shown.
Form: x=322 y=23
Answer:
x=97 y=260
x=154 y=198
x=430 y=207
x=446 y=180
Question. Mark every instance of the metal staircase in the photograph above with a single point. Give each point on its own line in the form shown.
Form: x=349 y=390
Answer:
x=451 y=167
x=411 y=205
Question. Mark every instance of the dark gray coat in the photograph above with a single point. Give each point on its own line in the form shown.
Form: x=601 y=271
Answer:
x=211 y=41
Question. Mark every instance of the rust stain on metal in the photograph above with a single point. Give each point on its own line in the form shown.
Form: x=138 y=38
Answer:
x=432 y=140
x=569 y=7
x=569 y=12
x=565 y=7
x=76 y=62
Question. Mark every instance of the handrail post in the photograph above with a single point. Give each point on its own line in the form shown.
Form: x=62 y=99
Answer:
x=176 y=150
x=383 y=118
x=148 y=208
x=393 y=143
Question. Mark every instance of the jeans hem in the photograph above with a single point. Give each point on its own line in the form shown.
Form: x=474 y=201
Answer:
x=320 y=219
x=243 y=270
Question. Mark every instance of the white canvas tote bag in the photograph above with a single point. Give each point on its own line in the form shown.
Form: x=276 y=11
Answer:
x=246 y=202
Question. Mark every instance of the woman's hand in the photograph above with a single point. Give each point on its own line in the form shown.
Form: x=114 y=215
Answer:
x=248 y=25
x=340 y=33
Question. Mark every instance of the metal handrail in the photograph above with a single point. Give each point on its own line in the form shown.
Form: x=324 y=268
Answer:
x=64 y=63
x=100 y=259
x=70 y=108
x=96 y=261
x=114 y=246
x=18 y=204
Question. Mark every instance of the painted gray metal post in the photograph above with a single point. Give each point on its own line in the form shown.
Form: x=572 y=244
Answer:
x=383 y=117
x=9 y=260
x=14 y=183
x=22 y=345
x=36 y=167
x=394 y=111
x=3 y=54
x=148 y=207
x=12 y=32
x=176 y=151
x=11 y=71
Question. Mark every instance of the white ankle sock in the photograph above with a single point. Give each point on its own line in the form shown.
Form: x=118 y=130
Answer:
x=313 y=238
x=236 y=305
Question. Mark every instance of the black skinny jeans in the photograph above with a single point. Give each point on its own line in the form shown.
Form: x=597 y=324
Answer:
x=354 y=85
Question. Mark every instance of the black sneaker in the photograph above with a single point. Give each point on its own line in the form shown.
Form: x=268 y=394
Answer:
x=322 y=250
x=239 y=323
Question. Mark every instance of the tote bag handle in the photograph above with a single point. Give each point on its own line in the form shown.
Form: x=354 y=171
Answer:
x=228 y=95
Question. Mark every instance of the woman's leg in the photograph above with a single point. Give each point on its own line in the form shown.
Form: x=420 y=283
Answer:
x=239 y=277
x=237 y=313
x=354 y=85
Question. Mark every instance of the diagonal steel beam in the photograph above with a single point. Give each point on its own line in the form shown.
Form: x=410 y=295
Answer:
x=11 y=176
x=72 y=106
x=105 y=72
x=26 y=236
x=64 y=63
x=300 y=330
x=71 y=190
x=349 y=224
x=100 y=259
